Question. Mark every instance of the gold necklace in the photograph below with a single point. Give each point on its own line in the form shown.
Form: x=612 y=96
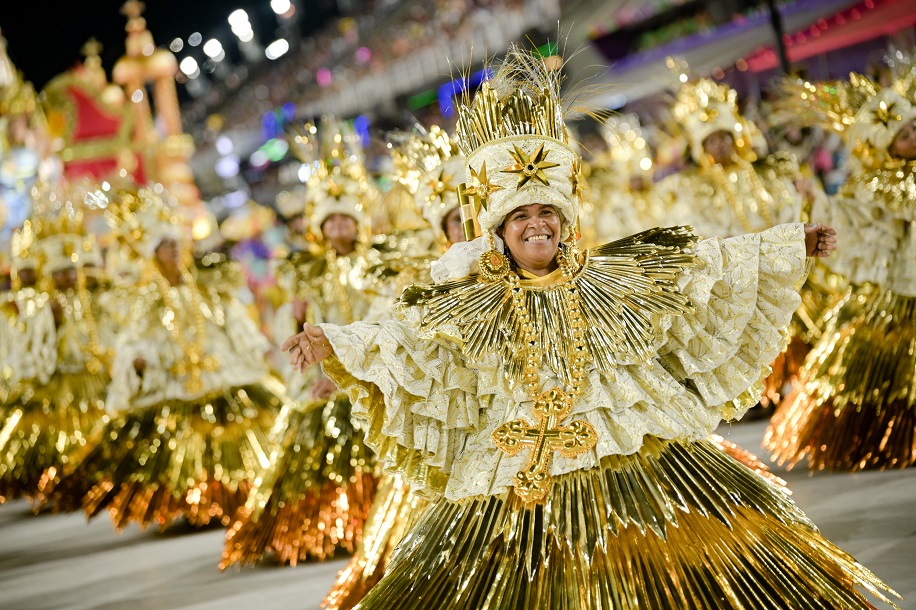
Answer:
x=761 y=195
x=553 y=405
x=195 y=362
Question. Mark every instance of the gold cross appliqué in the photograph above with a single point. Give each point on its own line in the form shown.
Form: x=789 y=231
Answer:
x=532 y=483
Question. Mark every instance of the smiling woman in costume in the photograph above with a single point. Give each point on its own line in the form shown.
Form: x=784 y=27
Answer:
x=557 y=403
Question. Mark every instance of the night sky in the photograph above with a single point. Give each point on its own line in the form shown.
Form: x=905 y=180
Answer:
x=45 y=37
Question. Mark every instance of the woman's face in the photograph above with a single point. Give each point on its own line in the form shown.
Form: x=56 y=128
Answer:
x=904 y=144
x=454 y=232
x=167 y=253
x=339 y=228
x=64 y=279
x=27 y=276
x=720 y=146
x=532 y=234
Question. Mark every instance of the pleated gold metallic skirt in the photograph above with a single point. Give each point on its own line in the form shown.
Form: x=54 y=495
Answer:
x=855 y=405
x=748 y=460
x=676 y=525
x=43 y=426
x=394 y=512
x=313 y=496
x=192 y=459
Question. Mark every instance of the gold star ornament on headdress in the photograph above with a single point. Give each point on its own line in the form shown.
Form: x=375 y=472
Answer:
x=440 y=185
x=482 y=188
x=885 y=113
x=530 y=167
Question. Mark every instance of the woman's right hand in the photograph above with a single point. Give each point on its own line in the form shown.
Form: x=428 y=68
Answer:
x=820 y=240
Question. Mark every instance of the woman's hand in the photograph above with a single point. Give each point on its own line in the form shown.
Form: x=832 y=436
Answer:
x=324 y=388
x=820 y=240
x=309 y=347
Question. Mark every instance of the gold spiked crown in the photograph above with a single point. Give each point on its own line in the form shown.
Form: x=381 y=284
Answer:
x=141 y=218
x=429 y=165
x=866 y=115
x=703 y=107
x=23 y=247
x=60 y=235
x=514 y=136
x=18 y=99
x=338 y=182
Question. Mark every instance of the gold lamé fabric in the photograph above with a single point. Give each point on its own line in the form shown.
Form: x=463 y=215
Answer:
x=312 y=496
x=194 y=459
x=43 y=426
x=855 y=405
x=676 y=525
x=394 y=512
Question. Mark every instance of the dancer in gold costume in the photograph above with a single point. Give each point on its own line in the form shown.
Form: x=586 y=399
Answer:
x=429 y=167
x=620 y=183
x=855 y=405
x=729 y=192
x=556 y=401
x=313 y=495
x=18 y=337
x=191 y=400
x=60 y=353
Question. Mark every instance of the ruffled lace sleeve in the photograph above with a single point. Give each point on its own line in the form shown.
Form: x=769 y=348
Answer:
x=415 y=393
x=872 y=236
x=743 y=295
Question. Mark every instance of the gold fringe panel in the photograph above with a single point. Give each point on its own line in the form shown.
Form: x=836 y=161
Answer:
x=394 y=512
x=748 y=459
x=855 y=406
x=313 y=496
x=676 y=525
x=43 y=426
x=193 y=459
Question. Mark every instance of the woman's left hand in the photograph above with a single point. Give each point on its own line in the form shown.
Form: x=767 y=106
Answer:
x=820 y=240
x=309 y=347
